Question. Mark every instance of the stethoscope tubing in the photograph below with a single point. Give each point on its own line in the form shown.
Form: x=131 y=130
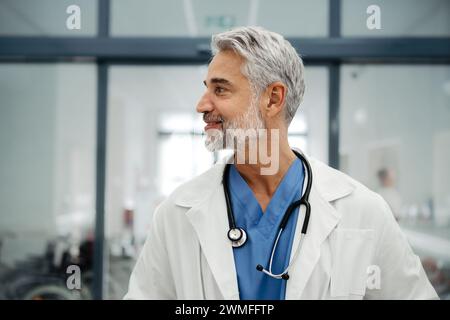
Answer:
x=240 y=240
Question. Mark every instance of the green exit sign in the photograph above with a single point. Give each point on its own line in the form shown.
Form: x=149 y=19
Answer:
x=220 y=21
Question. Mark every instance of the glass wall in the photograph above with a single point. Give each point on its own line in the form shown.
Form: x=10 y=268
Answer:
x=399 y=18
x=395 y=138
x=47 y=178
x=309 y=128
x=156 y=142
x=197 y=18
x=48 y=18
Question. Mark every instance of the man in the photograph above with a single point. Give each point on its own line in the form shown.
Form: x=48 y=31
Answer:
x=220 y=235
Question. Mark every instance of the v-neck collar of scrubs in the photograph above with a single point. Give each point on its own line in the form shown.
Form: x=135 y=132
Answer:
x=286 y=192
x=262 y=230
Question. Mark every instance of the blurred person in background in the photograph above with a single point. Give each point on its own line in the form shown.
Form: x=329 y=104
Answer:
x=389 y=192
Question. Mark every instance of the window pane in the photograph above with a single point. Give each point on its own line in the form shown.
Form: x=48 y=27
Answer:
x=309 y=128
x=47 y=178
x=155 y=143
x=46 y=18
x=395 y=139
x=398 y=18
x=194 y=18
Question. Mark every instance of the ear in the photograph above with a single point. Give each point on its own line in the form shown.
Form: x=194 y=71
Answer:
x=276 y=97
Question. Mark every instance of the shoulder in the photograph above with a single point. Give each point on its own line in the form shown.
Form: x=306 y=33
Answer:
x=191 y=192
x=356 y=203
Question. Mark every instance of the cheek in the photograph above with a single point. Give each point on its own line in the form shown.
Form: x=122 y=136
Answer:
x=228 y=108
x=241 y=105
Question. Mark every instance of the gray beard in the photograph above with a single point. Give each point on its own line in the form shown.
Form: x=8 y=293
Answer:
x=251 y=119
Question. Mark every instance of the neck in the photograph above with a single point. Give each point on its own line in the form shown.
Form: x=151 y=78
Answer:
x=266 y=184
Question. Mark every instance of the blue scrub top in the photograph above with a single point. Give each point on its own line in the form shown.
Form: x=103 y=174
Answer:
x=262 y=229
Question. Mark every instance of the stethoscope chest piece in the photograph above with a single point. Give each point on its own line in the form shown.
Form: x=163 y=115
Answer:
x=237 y=236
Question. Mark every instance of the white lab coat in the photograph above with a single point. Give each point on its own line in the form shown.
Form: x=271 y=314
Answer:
x=187 y=254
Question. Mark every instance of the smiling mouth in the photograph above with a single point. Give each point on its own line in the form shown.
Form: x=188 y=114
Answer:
x=213 y=125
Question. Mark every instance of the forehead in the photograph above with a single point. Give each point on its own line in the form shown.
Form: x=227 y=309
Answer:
x=226 y=64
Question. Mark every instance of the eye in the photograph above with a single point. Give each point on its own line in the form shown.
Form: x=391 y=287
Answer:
x=219 y=90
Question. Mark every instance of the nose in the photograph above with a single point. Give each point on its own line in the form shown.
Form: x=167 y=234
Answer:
x=205 y=104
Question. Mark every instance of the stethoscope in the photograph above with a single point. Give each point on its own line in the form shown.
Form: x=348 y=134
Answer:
x=238 y=236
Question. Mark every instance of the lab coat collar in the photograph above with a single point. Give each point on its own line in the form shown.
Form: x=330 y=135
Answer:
x=205 y=197
x=329 y=183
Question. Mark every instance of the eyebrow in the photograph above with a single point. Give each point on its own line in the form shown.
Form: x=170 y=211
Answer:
x=219 y=80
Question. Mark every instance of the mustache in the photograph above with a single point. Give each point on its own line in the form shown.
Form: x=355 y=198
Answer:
x=208 y=117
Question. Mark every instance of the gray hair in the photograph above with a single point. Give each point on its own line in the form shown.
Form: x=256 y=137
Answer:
x=269 y=58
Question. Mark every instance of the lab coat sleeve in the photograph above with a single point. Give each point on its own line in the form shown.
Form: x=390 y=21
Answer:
x=401 y=273
x=151 y=278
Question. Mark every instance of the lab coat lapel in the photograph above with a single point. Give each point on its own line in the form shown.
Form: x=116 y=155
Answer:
x=326 y=187
x=322 y=221
x=209 y=219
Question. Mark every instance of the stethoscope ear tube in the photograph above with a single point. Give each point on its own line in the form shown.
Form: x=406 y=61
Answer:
x=232 y=223
x=288 y=213
x=307 y=214
x=305 y=198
